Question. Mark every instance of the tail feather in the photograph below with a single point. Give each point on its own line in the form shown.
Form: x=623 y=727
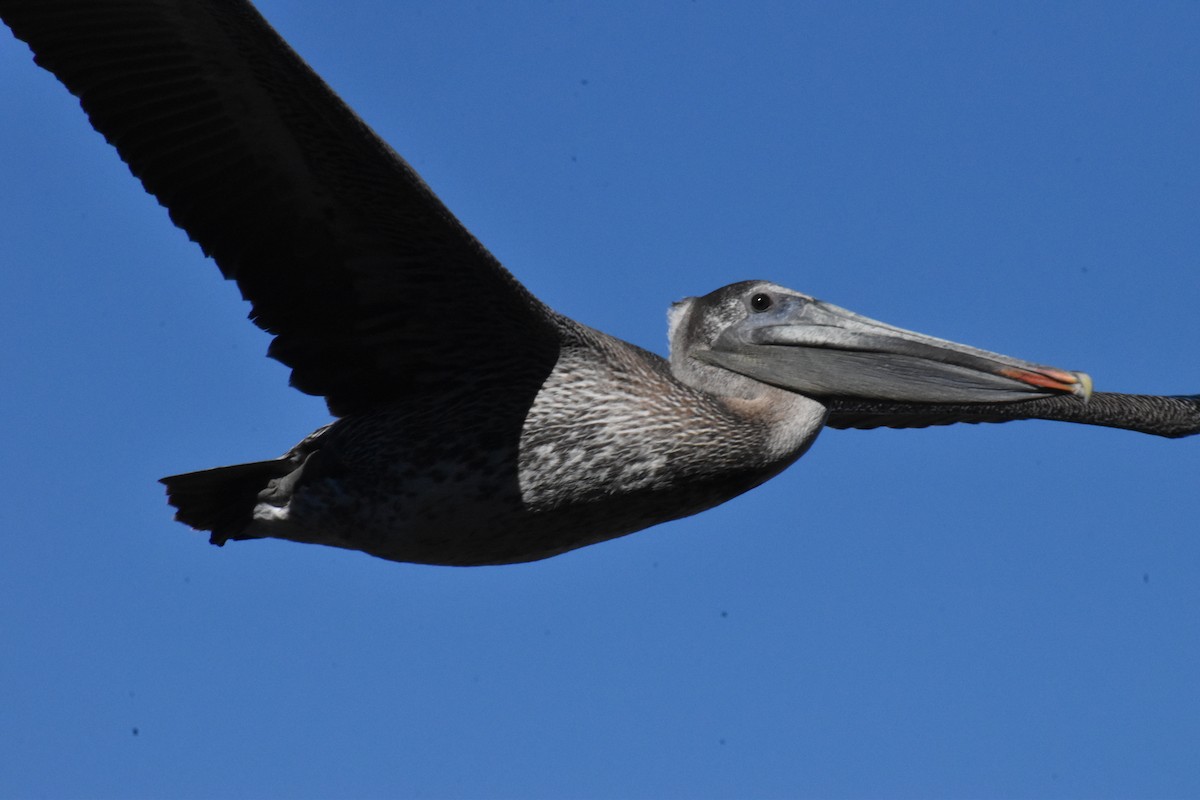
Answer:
x=222 y=500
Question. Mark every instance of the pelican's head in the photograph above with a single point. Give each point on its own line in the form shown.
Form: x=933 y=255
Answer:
x=775 y=336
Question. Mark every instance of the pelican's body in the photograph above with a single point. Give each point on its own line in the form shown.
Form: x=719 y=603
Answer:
x=512 y=433
x=611 y=444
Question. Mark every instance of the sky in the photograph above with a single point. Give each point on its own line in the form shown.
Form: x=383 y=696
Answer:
x=986 y=611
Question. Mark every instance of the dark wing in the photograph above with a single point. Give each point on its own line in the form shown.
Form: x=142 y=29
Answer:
x=1172 y=417
x=371 y=286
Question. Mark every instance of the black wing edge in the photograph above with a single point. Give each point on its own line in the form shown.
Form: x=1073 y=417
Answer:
x=1172 y=417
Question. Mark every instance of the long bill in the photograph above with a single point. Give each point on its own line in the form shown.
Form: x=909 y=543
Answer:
x=819 y=349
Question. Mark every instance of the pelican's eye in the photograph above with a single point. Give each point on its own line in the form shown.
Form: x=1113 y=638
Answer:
x=760 y=302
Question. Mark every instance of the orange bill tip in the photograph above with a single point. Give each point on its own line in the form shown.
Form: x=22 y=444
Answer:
x=1077 y=383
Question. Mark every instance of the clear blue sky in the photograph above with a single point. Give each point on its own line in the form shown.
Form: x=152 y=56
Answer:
x=993 y=611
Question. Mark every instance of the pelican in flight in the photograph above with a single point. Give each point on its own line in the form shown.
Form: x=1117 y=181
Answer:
x=473 y=424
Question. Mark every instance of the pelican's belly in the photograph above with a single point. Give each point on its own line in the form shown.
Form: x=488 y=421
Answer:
x=394 y=485
x=598 y=453
x=420 y=503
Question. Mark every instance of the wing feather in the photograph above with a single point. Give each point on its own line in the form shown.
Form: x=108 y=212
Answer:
x=344 y=253
x=1169 y=416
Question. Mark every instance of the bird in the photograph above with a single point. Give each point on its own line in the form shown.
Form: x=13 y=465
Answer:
x=472 y=424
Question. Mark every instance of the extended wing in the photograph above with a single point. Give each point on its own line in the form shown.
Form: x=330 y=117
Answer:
x=345 y=254
x=1172 y=417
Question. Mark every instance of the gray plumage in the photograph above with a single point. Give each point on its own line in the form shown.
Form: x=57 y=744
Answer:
x=520 y=433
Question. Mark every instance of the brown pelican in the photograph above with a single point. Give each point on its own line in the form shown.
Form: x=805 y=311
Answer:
x=518 y=433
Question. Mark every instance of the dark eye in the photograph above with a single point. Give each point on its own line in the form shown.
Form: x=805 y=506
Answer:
x=760 y=302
